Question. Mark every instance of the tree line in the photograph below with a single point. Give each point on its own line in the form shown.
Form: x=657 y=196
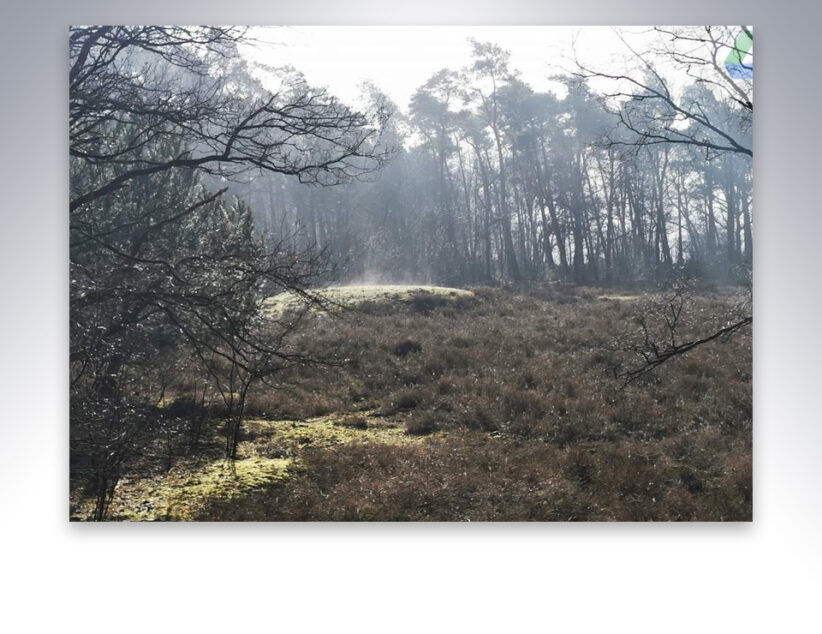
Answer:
x=493 y=182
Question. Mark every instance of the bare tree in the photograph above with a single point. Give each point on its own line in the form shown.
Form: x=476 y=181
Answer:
x=666 y=330
x=158 y=262
x=649 y=113
x=679 y=119
x=158 y=83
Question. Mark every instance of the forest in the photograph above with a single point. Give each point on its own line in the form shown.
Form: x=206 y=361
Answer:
x=495 y=302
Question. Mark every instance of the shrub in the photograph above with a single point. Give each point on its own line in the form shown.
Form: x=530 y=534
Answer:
x=426 y=302
x=353 y=422
x=408 y=398
x=421 y=424
x=406 y=347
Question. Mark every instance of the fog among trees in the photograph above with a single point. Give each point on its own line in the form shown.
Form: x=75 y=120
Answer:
x=491 y=181
x=205 y=183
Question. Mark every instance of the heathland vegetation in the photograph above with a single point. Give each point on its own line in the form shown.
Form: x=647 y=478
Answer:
x=493 y=405
x=580 y=347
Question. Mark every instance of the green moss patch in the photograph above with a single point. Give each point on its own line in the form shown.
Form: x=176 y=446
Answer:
x=269 y=449
x=179 y=494
x=325 y=431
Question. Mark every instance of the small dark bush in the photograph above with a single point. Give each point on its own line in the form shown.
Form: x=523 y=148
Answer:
x=426 y=302
x=408 y=398
x=462 y=342
x=691 y=481
x=421 y=425
x=185 y=407
x=354 y=422
x=480 y=419
x=406 y=347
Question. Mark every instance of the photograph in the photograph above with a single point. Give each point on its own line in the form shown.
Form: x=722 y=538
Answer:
x=410 y=273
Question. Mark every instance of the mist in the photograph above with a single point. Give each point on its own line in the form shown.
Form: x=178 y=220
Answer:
x=504 y=287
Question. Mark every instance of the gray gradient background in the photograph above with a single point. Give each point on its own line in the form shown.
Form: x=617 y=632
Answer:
x=409 y=577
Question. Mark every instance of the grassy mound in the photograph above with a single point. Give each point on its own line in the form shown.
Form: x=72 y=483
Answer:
x=357 y=295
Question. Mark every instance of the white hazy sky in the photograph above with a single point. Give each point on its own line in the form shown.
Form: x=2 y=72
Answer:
x=399 y=59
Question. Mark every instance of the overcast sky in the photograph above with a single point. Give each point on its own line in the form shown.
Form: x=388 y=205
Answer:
x=399 y=59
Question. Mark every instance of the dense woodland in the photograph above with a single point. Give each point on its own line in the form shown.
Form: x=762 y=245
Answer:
x=203 y=184
x=492 y=181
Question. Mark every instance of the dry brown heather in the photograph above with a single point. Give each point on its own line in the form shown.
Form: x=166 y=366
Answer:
x=511 y=412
